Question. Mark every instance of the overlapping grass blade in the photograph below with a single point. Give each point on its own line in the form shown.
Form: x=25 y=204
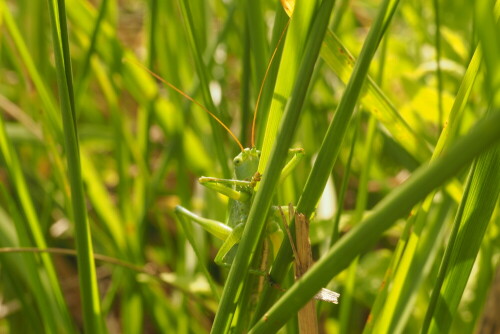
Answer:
x=331 y=145
x=295 y=41
x=478 y=204
x=395 y=205
x=468 y=232
x=419 y=244
x=142 y=147
x=261 y=204
x=53 y=309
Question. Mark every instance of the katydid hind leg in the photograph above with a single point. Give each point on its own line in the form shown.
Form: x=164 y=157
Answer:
x=298 y=154
x=214 y=227
x=230 y=236
x=227 y=251
x=228 y=245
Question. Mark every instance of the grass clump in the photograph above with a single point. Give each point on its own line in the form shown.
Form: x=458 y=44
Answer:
x=400 y=125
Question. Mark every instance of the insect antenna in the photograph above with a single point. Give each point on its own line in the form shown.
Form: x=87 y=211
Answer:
x=264 y=81
x=189 y=98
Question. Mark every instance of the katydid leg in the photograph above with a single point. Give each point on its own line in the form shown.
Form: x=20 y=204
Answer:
x=230 y=236
x=214 y=227
x=298 y=154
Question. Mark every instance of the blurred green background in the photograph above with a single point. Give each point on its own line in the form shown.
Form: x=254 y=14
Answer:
x=142 y=147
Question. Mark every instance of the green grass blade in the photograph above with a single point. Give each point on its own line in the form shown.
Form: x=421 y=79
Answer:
x=343 y=188
x=411 y=266
x=87 y=275
x=341 y=61
x=289 y=65
x=419 y=252
x=470 y=227
x=46 y=98
x=333 y=139
x=397 y=204
x=278 y=41
x=487 y=13
x=464 y=244
x=439 y=72
x=361 y=207
x=330 y=146
x=21 y=274
x=261 y=204
x=81 y=83
x=259 y=49
x=48 y=293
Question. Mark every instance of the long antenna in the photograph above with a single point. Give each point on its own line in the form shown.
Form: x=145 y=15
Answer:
x=187 y=97
x=264 y=81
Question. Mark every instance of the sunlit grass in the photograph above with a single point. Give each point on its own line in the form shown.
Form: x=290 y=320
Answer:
x=402 y=111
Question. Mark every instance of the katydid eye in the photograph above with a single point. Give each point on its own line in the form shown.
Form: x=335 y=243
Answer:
x=237 y=161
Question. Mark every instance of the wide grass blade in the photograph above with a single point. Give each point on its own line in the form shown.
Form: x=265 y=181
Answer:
x=397 y=204
x=373 y=99
x=287 y=75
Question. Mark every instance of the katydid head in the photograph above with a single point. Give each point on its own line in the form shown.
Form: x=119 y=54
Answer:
x=246 y=163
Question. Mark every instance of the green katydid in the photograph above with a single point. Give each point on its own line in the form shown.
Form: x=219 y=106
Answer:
x=239 y=190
